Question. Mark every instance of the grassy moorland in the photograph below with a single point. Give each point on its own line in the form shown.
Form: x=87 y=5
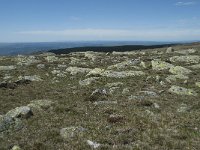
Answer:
x=147 y=99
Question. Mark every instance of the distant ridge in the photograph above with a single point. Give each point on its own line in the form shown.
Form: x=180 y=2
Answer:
x=108 y=48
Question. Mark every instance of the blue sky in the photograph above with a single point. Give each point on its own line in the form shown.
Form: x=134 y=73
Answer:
x=89 y=20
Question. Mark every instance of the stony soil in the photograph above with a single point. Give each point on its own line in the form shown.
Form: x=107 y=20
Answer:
x=147 y=99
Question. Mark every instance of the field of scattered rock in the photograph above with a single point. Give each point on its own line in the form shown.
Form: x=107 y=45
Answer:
x=145 y=99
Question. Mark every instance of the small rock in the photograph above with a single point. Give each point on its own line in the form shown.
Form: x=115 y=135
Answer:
x=41 y=66
x=99 y=95
x=104 y=102
x=126 y=91
x=71 y=132
x=93 y=145
x=172 y=78
x=122 y=74
x=182 y=91
x=16 y=148
x=40 y=104
x=115 y=84
x=51 y=58
x=183 y=108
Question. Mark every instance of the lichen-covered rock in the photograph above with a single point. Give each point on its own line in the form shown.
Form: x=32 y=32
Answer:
x=88 y=81
x=172 y=78
x=51 y=58
x=20 y=112
x=10 y=124
x=71 y=132
x=197 y=84
x=122 y=74
x=92 y=144
x=99 y=95
x=124 y=64
x=41 y=66
x=182 y=91
x=124 y=53
x=197 y=66
x=160 y=65
x=95 y=72
x=76 y=70
x=30 y=78
x=26 y=60
x=16 y=148
x=7 y=68
x=187 y=51
x=169 y=50
x=186 y=59
x=179 y=70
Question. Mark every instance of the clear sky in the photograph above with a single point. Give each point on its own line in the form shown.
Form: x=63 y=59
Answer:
x=85 y=20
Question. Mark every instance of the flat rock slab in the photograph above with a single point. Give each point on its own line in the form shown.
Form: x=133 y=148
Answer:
x=186 y=59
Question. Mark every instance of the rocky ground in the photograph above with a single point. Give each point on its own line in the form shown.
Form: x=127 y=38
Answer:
x=147 y=99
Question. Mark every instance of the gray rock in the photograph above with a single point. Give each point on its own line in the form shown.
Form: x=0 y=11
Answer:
x=92 y=144
x=95 y=72
x=122 y=74
x=26 y=60
x=7 y=68
x=51 y=58
x=88 y=81
x=172 y=78
x=71 y=132
x=104 y=102
x=30 y=78
x=114 y=84
x=187 y=51
x=187 y=59
x=41 y=66
x=16 y=148
x=160 y=65
x=182 y=91
x=76 y=70
x=20 y=112
x=197 y=66
x=169 y=50
x=179 y=70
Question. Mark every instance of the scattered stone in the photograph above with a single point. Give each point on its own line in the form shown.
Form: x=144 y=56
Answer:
x=88 y=81
x=182 y=91
x=13 y=85
x=172 y=78
x=114 y=118
x=51 y=58
x=41 y=66
x=132 y=97
x=156 y=105
x=183 y=108
x=20 y=112
x=76 y=70
x=169 y=50
x=71 y=132
x=126 y=91
x=149 y=93
x=187 y=51
x=104 y=102
x=93 y=145
x=160 y=65
x=197 y=84
x=124 y=64
x=179 y=70
x=95 y=72
x=122 y=74
x=7 y=68
x=99 y=95
x=187 y=59
x=197 y=66
x=16 y=148
x=30 y=78
x=26 y=60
